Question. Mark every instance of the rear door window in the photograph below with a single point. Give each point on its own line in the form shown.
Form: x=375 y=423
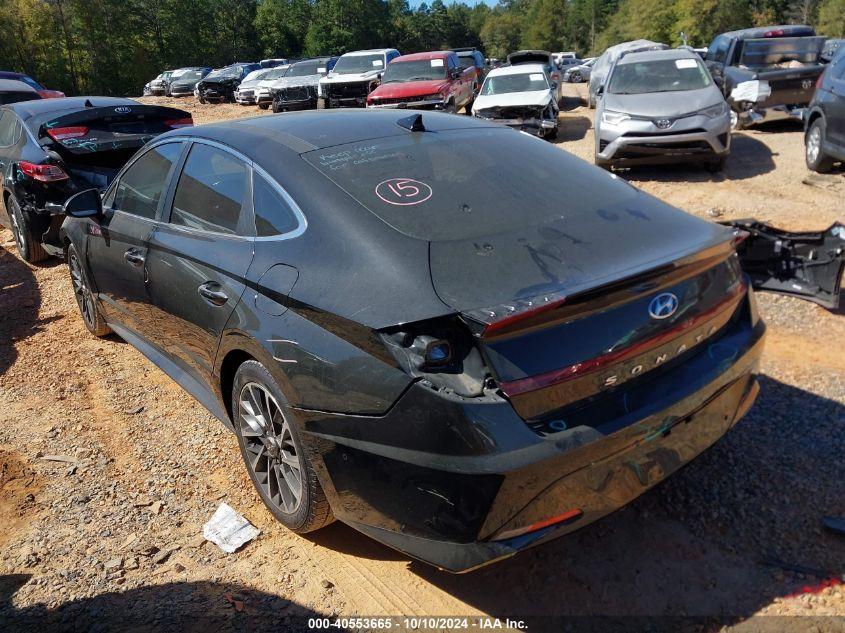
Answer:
x=211 y=192
x=273 y=213
x=140 y=187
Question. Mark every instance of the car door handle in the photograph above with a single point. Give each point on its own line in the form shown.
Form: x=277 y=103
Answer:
x=211 y=293
x=134 y=257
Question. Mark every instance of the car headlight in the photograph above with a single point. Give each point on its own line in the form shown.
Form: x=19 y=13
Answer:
x=614 y=118
x=720 y=109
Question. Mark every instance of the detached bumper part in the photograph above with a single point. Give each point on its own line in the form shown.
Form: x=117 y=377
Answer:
x=807 y=265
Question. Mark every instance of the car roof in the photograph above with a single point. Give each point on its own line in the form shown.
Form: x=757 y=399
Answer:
x=64 y=105
x=519 y=69
x=653 y=56
x=370 y=51
x=760 y=31
x=13 y=85
x=422 y=56
x=10 y=74
x=261 y=138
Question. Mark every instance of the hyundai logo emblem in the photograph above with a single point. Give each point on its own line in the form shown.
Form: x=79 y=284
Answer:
x=663 y=306
x=664 y=124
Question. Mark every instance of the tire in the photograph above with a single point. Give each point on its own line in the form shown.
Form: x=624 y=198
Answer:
x=277 y=108
x=468 y=108
x=263 y=106
x=603 y=164
x=450 y=108
x=85 y=300
x=552 y=134
x=29 y=246
x=255 y=390
x=814 y=154
x=202 y=100
x=575 y=77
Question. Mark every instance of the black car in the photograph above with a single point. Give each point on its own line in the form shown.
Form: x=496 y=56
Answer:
x=183 y=81
x=458 y=360
x=824 y=137
x=13 y=91
x=220 y=84
x=51 y=149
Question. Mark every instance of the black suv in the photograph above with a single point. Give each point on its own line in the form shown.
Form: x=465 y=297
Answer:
x=824 y=137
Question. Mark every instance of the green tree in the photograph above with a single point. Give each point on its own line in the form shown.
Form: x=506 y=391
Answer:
x=545 y=25
x=501 y=33
x=282 y=25
x=340 y=26
x=831 y=20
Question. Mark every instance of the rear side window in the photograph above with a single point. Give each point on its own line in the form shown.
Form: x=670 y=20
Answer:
x=9 y=128
x=211 y=191
x=273 y=215
x=139 y=189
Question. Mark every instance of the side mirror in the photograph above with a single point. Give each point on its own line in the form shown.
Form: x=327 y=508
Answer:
x=85 y=204
x=455 y=74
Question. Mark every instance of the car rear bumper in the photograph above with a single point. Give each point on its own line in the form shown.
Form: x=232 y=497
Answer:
x=459 y=501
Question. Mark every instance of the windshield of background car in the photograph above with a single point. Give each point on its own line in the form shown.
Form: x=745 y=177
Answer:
x=423 y=69
x=276 y=73
x=303 y=69
x=451 y=186
x=229 y=71
x=785 y=52
x=466 y=62
x=353 y=64
x=191 y=74
x=503 y=84
x=664 y=75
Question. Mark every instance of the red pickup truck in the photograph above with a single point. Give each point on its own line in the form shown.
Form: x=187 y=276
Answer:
x=427 y=81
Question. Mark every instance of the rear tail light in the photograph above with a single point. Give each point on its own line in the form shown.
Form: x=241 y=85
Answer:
x=64 y=133
x=177 y=123
x=567 y=517
x=775 y=33
x=43 y=173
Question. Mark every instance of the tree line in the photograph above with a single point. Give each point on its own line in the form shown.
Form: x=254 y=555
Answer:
x=115 y=46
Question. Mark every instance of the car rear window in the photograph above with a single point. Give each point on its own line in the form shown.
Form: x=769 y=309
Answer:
x=466 y=183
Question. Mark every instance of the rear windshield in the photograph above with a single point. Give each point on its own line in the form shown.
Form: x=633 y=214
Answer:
x=466 y=62
x=782 y=52
x=503 y=84
x=664 y=75
x=454 y=185
x=420 y=70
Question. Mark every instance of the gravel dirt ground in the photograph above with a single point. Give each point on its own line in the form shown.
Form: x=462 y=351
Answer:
x=108 y=470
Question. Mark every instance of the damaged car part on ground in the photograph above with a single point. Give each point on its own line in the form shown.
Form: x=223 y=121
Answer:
x=661 y=106
x=51 y=149
x=397 y=385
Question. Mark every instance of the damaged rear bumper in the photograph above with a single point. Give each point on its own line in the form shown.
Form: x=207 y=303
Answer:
x=537 y=126
x=486 y=485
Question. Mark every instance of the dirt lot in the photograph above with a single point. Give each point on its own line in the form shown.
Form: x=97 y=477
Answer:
x=108 y=471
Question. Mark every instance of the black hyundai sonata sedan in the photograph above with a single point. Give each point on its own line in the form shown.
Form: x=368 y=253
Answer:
x=454 y=337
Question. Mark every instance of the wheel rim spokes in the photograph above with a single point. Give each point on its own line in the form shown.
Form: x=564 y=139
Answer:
x=270 y=450
x=814 y=144
x=80 y=290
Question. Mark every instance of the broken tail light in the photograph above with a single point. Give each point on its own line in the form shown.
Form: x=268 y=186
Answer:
x=42 y=173
x=177 y=123
x=64 y=133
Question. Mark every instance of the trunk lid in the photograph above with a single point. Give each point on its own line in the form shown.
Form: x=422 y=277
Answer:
x=573 y=307
x=109 y=128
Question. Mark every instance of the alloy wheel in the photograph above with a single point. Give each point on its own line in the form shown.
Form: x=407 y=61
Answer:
x=270 y=449
x=16 y=230
x=84 y=299
x=814 y=144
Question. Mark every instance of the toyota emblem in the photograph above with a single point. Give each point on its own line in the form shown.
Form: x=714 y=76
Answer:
x=664 y=124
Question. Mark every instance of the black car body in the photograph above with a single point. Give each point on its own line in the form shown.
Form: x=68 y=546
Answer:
x=298 y=88
x=767 y=73
x=220 y=84
x=463 y=381
x=183 y=81
x=824 y=137
x=54 y=148
x=13 y=91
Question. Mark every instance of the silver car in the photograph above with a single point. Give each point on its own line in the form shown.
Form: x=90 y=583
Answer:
x=661 y=107
x=576 y=73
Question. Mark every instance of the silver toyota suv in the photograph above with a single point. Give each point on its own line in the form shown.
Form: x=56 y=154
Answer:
x=661 y=106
